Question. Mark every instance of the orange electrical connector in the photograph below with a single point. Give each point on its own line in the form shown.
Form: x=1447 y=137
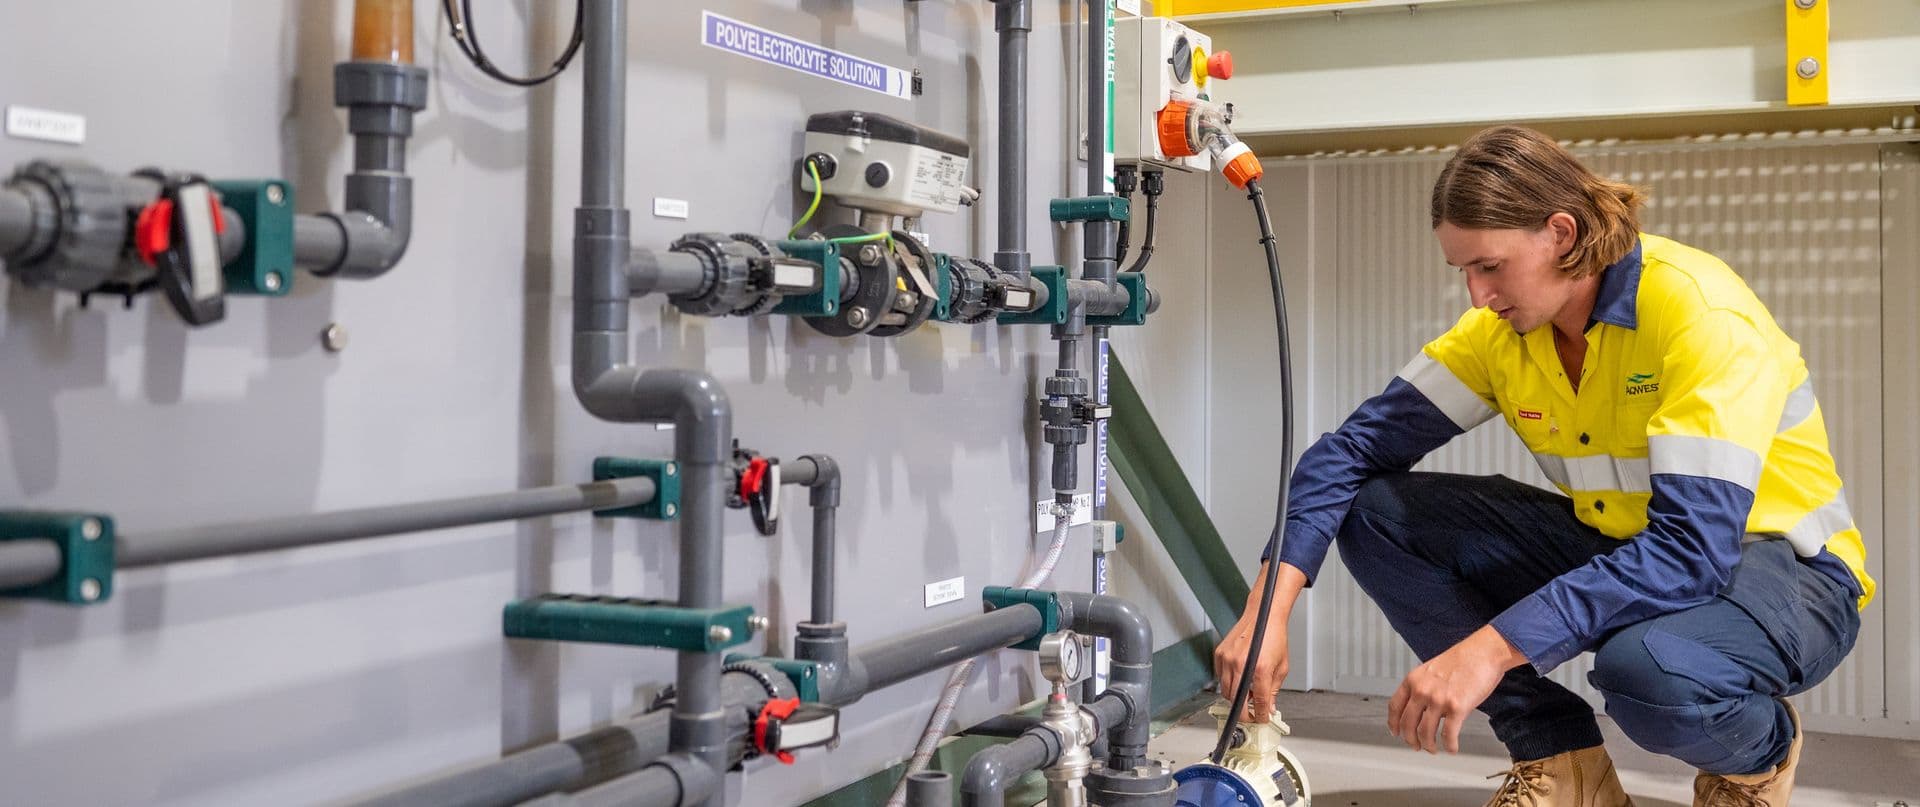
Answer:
x=1241 y=166
x=1176 y=135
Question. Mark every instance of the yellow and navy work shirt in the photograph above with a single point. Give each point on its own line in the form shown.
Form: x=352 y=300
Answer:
x=1694 y=428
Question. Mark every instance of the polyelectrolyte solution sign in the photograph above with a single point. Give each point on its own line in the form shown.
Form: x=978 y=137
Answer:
x=754 y=42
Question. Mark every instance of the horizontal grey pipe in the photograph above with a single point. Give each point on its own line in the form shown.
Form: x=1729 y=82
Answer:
x=676 y=779
x=890 y=662
x=318 y=240
x=657 y=271
x=173 y=546
x=993 y=770
x=625 y=747
x=1003 y=726
x=1099 y=298
x=26 y=563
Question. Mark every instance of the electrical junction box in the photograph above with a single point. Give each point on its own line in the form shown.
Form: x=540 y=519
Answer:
x=1157 y=60
x=875 y=162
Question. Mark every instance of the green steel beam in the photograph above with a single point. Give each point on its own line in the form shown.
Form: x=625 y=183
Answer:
x=1153 y=477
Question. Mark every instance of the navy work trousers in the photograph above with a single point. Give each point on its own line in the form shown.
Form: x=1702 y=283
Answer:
x=1443 y=554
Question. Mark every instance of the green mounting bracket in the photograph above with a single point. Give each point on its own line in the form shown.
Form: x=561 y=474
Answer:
x=943 y=284
x=999 y=597
x=805 y=675
x=1136 y=311
x=826 y=301
x=265 y=265
x=1055 y=311
x=634 y=622
x=1089 y=208
x=666 y=486
x=86 y=548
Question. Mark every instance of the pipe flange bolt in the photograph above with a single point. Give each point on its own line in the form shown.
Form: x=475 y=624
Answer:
x=89 y=221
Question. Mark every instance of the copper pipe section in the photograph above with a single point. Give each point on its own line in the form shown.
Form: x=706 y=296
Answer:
x=383 y=31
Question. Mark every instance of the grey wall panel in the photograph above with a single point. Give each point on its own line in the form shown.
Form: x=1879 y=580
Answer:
x=326 y=673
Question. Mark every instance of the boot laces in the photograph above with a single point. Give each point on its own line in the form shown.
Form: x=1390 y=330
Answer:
x=1736 y=794
x=1523 y=780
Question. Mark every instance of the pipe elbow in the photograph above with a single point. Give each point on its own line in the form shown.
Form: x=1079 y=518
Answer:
x=1116 y=619
x=825 y=490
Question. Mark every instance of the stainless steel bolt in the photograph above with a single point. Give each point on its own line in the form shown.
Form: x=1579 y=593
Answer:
x=673 y=468
x=275 y=195
x=671 y=510
x=720 y=633
x=857 y=316
x=90 y=529
x=272 y=281
x=334 y=338
x=1808 y=67
x=1806 y=4
x=870 y=254
x=759 y=623
x=90 y=590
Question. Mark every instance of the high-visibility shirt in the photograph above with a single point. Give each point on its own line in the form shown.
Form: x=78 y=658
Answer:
x=1694 y=428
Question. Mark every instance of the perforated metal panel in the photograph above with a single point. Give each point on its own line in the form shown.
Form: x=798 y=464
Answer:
x=1802 y=224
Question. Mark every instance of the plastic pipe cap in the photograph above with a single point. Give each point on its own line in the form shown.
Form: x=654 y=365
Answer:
x=1221 y=65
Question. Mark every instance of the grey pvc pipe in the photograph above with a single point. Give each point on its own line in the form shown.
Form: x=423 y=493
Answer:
x=1098 y=236
x=1013 y=19
x=27 y=563
x=654 y=271
x=823 y=553
x=890 y=662
x=173 y=546
x=930 y=789
x=993 y=770
x=16 y=220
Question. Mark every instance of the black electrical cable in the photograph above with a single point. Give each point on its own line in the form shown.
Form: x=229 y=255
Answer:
x=1286 y=472
x=460 y=24
x=1123 y=185
x=1151 y=183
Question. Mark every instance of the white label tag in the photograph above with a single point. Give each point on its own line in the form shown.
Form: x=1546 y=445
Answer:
x=670 y=208
x=794 y=275
x=1082 y=512
x=946 y=591
x=41 y=124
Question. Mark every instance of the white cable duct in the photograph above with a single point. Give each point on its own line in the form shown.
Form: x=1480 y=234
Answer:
x=957 y=680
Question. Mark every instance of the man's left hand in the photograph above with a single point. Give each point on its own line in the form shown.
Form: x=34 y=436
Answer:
x=1437 y=695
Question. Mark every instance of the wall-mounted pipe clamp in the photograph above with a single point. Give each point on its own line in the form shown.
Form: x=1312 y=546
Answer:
x=1054 y=310
x=666 y=481
x=805 y=675
x=1048 y=603
x=628 y=621
x=86 y=545
x=265 y=264
x=1139 y=302
x=823 y=301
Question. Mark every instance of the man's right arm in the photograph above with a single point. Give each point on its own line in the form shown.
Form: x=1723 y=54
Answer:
x=1442 y=393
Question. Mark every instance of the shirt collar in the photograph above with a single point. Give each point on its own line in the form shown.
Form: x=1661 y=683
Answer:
x=1619 y=294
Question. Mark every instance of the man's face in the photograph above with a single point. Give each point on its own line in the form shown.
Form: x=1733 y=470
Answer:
x=1514 y=273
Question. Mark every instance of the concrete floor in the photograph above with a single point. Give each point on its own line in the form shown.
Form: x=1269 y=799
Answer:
x=1351 y=761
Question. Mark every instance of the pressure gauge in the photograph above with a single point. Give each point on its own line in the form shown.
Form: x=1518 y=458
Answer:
x=1060 y=657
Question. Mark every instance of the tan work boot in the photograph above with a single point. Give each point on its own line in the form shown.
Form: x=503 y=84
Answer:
x=1764 y=789
x=1583 y=778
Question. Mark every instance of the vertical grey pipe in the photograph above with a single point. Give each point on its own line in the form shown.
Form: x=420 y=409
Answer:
x=1013 y=19
x=823 y=551
x=1131 y=638
x=930 y=789
x=1098 y=236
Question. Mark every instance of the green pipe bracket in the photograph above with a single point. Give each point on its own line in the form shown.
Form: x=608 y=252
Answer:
x=826 y=301
x=1055 y=311
x=1089 y=208
x=943 y=284
x=86 y=546
x=805 y=675
x=1136 y=311
x=998 y=597
x=666 y=486
x=265 y=264
x=626 y=621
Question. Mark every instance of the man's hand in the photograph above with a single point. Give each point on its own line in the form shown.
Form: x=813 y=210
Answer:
x=1447 y=687
x=1230 y=658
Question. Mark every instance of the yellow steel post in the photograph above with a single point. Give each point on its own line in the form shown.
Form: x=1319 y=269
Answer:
x=1807 y=66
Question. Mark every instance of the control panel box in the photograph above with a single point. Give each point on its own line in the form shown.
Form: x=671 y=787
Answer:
x=871 y=161
x=1156 y=61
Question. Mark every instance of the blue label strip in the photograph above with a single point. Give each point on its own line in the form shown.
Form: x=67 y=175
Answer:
x=758 y=43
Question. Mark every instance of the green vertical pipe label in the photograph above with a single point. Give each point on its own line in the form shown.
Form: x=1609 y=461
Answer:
x=1107 y=157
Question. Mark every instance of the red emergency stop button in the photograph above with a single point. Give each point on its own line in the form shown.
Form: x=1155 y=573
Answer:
x=1221 y=65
